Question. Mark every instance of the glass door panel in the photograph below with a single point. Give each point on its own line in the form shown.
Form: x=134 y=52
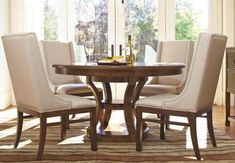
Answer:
x=141 y=21
x=50 y=20
x=91 y=29
x=117 y=26
x=191 y=18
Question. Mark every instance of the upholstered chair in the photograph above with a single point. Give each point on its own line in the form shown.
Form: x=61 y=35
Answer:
x=170 y=51
x=32 y=92
x=197 y=96
x=56 y=52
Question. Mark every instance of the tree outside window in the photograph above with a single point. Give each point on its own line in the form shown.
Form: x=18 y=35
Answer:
x=91 y=29
x=92 y=26
x=50 y=20
x=141 y=23
x=191 y=18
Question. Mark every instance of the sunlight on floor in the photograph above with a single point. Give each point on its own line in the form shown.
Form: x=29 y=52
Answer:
x=73 y=140
x=24 y=143
x=7 y=115
x=193 y=158
x=20 y=145
x=201 y=134
x=116 y=123
x=12 y=130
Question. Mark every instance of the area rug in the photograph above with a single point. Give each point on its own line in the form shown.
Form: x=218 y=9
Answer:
x=176 y=147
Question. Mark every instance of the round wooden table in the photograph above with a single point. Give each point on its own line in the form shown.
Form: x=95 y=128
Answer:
x=134 y=75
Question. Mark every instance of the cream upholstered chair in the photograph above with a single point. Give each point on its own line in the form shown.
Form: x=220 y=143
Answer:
x=197 y=96
x=32 y=92
x=170 y=51
x=56 y=52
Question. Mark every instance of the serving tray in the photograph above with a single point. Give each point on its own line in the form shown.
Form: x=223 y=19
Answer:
x=112 y=63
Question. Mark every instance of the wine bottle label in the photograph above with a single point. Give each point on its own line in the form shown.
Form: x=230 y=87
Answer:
x=129 y=55
x=128 y=50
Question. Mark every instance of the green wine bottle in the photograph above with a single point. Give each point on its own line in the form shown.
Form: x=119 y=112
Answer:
x=129 y=51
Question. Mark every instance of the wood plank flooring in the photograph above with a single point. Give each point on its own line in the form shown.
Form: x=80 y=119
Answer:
x=219 y=121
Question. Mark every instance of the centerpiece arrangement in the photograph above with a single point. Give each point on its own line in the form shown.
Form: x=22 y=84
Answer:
x=115 y=60
x=120 y=60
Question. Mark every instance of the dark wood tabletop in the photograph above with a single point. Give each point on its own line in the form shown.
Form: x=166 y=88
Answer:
x=134 y=75
x=136 y=70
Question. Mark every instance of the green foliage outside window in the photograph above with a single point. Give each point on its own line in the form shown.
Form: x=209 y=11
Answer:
x=50 y=23
x=141 y=23
x=93 y=33
x=186 y=28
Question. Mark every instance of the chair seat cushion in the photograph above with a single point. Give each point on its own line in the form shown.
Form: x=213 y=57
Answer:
x=154 y=101
x=155 y=89
x=72 y=102
x=76 y=101
x=79 y=89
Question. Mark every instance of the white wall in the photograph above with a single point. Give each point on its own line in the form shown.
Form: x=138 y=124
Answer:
x=5 y=83
x=229 y=29
x=16 y=16
x=222 y=20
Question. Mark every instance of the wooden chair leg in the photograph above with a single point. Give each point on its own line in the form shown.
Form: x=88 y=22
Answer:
x=227 y=108
x=42 y=139
x=67 y=122
x=162 y=127
x=93 y=133
x=193 y=132
x=167 y=119
x=63 y=127
x=19 y=128
x=139 y=130
x=211 y=128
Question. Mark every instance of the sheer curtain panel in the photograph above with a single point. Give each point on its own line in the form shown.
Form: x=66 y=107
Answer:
x=5 y=83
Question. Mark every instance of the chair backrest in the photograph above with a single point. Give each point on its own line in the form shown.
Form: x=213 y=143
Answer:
x=56 y=52
x=150 y=53
x=27 y=73
x=175 y=51
x=200 y=87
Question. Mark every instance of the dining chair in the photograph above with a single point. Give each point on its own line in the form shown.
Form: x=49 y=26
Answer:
x=197 y=96
x=56 y=52
x=32 y=92
x=170 y=51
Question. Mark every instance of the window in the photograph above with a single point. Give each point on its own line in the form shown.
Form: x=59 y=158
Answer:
x=91 y=29
x=50 y=20
x=142 y=24
x=191 y=18
x=98 y=24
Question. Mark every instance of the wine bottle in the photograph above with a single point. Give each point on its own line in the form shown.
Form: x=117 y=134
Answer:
x=129 y=51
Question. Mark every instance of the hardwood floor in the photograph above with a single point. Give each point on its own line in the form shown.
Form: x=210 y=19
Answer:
x=219 y=121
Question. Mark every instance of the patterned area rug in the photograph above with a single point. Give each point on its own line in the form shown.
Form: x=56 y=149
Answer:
x=176 y=148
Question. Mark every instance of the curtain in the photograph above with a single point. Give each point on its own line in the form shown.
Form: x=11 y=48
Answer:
x=27 y=16
x=221 y=20
x=16 y=16
x=5 y=83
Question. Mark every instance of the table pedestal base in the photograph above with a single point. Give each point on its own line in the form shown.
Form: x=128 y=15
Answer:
x=115 y=136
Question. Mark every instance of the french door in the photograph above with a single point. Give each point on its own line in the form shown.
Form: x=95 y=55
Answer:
x=101 y=27
x=97 y=25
